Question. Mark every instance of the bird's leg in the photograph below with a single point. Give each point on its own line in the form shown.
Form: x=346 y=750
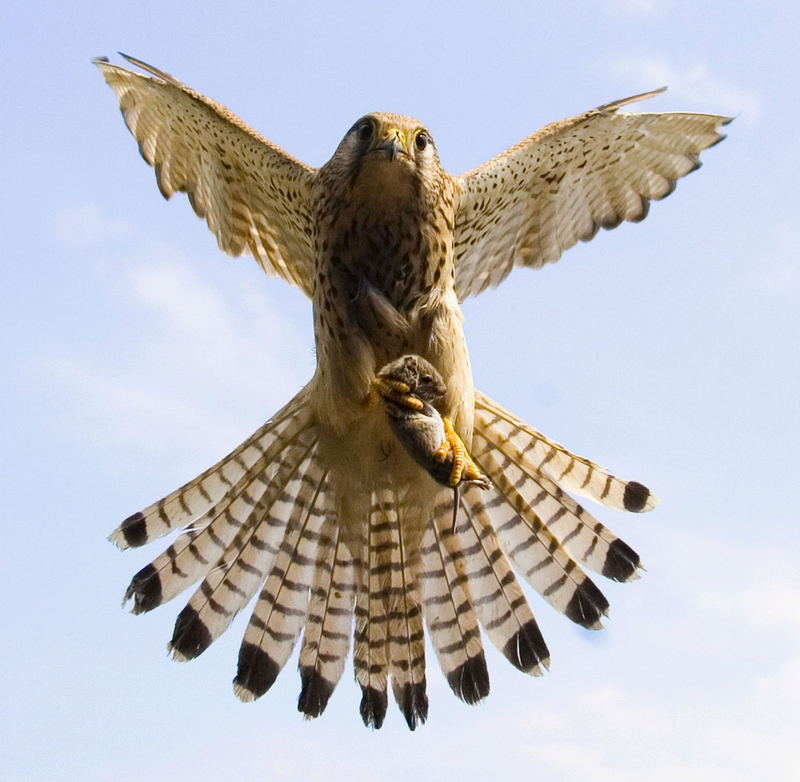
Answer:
x=464 y=469
x=397 y=391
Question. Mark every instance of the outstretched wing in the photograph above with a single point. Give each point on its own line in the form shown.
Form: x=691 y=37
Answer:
x=562 y=183
x=255 y=197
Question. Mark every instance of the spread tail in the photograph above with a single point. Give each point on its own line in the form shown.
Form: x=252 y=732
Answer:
x=266 y=520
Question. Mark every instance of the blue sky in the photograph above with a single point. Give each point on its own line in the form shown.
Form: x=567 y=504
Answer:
x=136 y=354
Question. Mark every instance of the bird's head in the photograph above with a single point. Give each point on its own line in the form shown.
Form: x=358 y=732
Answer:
x=390 y=154
x=391 y=138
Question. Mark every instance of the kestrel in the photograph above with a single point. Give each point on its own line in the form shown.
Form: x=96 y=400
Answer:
x=323 y=511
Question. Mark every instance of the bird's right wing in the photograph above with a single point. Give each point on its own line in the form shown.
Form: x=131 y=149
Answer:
x=560 y=184
x=255 y=197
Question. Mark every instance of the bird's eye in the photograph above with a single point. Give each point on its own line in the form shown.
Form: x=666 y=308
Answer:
x=365 y=131
x=427 y=379
x=421 y=140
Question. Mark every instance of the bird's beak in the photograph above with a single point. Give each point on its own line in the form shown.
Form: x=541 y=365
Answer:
x=394 y=143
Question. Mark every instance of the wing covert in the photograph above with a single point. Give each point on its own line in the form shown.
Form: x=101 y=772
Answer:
x=255 y=197
x=563 y=182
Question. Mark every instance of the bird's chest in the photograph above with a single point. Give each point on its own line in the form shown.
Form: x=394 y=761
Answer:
x=388 y=255
x=383 y=288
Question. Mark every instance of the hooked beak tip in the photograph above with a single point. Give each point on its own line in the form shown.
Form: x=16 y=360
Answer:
x=393 y=145
x=392 y=148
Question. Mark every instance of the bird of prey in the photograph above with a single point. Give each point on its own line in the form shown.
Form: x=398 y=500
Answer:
x=323 y=512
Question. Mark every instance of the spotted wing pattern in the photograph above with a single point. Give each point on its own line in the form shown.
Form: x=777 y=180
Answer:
x=560 y=184
x=255 y=197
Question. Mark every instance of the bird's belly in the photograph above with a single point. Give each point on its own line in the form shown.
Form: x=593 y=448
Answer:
x=357 y=445
x=368 y=465
x=348 y=360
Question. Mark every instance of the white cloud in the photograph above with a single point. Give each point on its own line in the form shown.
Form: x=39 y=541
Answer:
x=694 y=83
x=84 y=225
x=770 y=603
x=781 y=688
x=610 y=733
x=195 y=358
x=746 y=588
x=736 y=581
x=726 y=641
x=185 y=302
x=236 y=335
x=124 y=409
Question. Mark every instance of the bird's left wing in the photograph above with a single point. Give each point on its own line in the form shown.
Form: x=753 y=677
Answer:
x=562 y=183
x=255 y=197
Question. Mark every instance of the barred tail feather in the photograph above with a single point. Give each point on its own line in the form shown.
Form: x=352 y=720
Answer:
x=381 y=565
x=224 y=529
x=198 y=495
x=406 y=645
x=245 y=564
x=533 y=549
x=326 y=639
x=492 y=588
x=543 y=456
x=451 y=620
x=579 y=533
x=282 y=607
x=372 y=610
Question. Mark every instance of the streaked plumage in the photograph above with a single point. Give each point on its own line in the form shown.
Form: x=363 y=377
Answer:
x=323 y=511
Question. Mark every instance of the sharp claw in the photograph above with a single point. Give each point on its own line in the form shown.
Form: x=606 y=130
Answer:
x=443 y=451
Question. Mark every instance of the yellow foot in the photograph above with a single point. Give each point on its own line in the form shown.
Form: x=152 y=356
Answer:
x=464 y=469
x=398 y=391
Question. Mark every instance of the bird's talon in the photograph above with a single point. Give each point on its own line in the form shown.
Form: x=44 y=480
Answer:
x=443 y=451
x=397 y=391
x=461 y=458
